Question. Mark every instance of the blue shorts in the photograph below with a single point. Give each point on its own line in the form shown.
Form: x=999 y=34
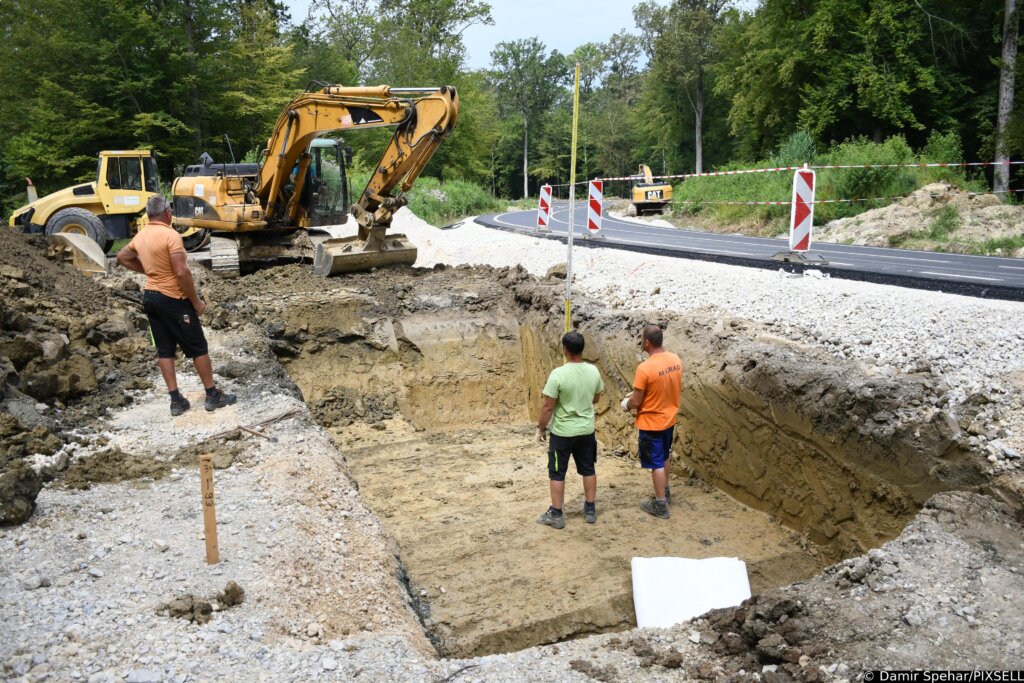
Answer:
x=655 y=446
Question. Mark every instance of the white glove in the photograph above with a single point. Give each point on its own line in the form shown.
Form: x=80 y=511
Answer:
x=625 y=404
x=541 y=435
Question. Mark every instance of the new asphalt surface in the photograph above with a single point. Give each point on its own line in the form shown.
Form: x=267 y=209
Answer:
x=983 y=276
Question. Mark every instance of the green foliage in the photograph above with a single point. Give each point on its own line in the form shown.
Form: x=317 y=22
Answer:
x=438 y=203
x=798 y=149
x=880 y=185
x=1003 y=246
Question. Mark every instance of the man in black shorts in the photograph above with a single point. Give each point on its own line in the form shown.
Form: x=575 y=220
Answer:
x=171 y=303
x=569 y=397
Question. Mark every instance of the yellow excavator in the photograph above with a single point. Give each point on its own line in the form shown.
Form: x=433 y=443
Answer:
x=270 y=210
x=649 y=196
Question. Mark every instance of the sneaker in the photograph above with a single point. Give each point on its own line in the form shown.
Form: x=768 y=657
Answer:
x=654 y=507
x=590 y=513
x=219 y=400
x=549 y=518
x=179 y=407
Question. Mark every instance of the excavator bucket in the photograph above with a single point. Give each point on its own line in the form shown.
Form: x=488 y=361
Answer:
x=80 y=250
x=353 y=255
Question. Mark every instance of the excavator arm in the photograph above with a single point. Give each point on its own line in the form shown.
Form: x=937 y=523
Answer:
x=422 y=118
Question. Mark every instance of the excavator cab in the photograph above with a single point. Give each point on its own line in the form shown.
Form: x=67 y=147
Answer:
x=326 y=190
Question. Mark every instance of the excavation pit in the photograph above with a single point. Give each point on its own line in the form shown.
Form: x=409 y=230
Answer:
x=429 y=385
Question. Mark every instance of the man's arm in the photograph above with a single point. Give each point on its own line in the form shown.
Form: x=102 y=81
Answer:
x=129 y=258
x=636 y=399
x=179 y=263
x=545 y=413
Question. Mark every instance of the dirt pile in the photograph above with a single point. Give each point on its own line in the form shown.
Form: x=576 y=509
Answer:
x=936 y=216
x=69 y=348
x=198 y=610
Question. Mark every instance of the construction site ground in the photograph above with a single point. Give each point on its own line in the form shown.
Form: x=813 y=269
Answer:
x=858 y=446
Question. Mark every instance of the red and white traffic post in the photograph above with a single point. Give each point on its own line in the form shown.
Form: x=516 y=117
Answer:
x=801 y=220
x=544 y=209
x=595 y=210
x=801 y=215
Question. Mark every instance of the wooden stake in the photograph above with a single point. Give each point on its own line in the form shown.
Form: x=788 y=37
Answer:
x=209 y=508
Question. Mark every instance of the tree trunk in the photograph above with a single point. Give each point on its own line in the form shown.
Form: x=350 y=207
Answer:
x=1008 y=70
x=195 y=101
x=526 y=167
x=698 y=117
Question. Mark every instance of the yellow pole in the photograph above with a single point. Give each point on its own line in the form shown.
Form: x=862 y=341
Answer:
x=572 y=198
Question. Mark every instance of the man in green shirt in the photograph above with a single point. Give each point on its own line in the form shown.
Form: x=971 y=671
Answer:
x=569 y=397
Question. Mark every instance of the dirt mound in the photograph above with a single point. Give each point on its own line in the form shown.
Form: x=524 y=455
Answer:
x=69 y=348
x=938 y=216
x=197 y=610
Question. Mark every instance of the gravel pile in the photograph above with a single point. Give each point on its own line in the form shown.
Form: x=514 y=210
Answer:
x=973 y=349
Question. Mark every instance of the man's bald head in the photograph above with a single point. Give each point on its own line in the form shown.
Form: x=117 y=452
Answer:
x=653 y=336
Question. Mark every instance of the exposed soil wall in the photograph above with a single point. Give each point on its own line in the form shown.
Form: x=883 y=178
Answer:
x=842 y=455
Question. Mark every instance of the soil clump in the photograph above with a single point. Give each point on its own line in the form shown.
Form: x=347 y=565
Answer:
x=197 y=610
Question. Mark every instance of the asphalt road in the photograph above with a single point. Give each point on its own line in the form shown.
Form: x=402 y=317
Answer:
x=984 y=276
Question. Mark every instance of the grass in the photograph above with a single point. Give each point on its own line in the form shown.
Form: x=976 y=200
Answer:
x=439 y=202
x=1004 y=246
x=945 y=223
x=695 y=199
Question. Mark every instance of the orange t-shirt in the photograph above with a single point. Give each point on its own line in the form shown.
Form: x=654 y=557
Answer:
x=154 y=244
x=660 y=377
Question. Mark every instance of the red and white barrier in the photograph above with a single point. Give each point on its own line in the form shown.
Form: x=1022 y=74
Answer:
x=594 y=208
x=801 y=217
x=544 y=208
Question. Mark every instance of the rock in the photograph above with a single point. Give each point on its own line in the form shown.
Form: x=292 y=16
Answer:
x=161 y=546
x=233 y=595
x=329 y=663
x=145 y=676
x=20 y=350
x=19 y=488
x=95 y=573
x=559 y=271
x=313 y=629
x=223 y=459
x=912 y=619
x=772 y=646
x=32 y=582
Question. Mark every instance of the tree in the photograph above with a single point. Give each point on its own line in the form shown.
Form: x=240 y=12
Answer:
x=526 y=80
x=1007 y=77
x=682 y=49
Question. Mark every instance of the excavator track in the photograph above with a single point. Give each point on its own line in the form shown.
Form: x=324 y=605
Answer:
x=224 y=256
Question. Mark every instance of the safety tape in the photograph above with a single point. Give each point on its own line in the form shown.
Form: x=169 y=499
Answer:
x=711 y=174
x=820 y=201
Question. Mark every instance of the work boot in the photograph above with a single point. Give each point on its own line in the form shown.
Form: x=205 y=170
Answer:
x=589 y=512
x=218 y=399
x=549 y=518
x=180 y=406
x=653 y=506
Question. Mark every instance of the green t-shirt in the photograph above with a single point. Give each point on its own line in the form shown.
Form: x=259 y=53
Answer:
x=573 y=386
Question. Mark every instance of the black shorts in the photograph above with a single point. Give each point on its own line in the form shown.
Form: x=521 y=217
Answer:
x=582 y=449
x=174 y=323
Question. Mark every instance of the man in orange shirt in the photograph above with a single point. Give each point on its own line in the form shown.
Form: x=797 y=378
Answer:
x=655 y=397
x=171 y=303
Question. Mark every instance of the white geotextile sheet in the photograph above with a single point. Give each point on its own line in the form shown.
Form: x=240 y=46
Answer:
x=670 y=590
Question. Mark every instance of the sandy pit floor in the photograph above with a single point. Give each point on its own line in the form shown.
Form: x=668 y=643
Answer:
x=462 y=505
